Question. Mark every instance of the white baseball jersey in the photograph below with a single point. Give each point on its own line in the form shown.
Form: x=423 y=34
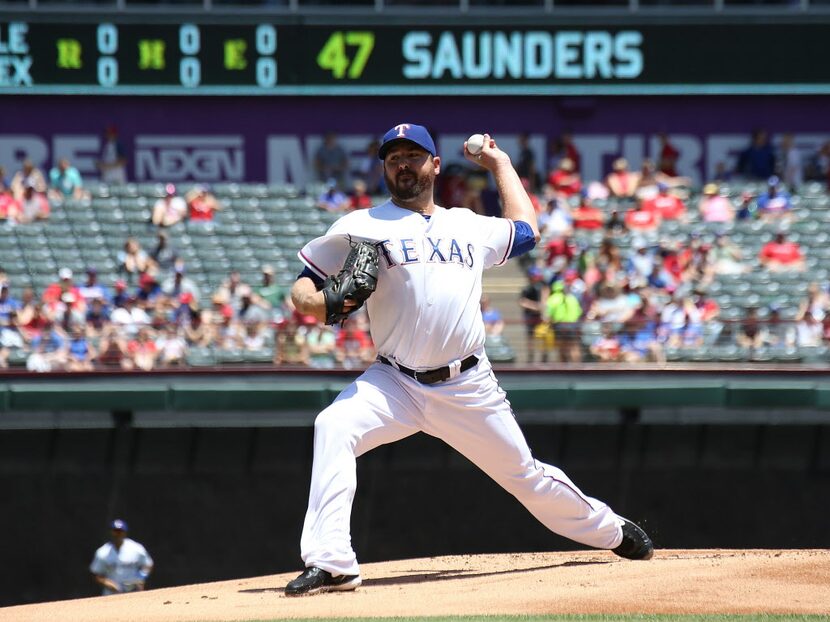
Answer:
x=430 y=270
x=123 y=565
x=425 y=314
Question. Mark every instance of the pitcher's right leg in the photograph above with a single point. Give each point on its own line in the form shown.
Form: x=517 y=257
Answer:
x=372 y=411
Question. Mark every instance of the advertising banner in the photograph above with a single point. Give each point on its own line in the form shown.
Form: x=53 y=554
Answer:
x=275 y=139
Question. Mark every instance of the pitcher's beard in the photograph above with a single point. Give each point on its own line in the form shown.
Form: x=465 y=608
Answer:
x=406 y=191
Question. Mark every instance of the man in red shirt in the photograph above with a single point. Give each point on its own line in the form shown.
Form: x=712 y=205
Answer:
x=639 y=219
x=565 y=180
x=668 y=206
x=667 y=164
x=780 y=255
x=585 y=215
x=563 y=247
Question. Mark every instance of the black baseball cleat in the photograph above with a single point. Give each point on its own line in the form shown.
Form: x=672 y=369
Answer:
x=316 y=581
x=635 y=543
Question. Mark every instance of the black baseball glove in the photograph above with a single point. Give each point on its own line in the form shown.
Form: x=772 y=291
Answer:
x=355 y=281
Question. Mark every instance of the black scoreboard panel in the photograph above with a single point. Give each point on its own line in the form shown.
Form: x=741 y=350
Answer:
x=108 y=57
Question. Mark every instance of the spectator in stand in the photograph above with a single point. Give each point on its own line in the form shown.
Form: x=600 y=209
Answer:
x=817 y=302
x=331 y=161
x=586 y=216
x=647 y=180
x=81 y=353
x=28 y=175
x=319 y=346
x=781 y=255
x=133 y=260
x=526 y=163
x=148 y=288
x=667 y=205
x=270 y=291
x=171 y=347
x=49 y=349
x=199 y=332
x=809 y=331
x=112 y=161
x=563 y=147
x=120 y=294
x=564 y=311
x=530 y=300
x=332 y=199
x=473 y=200
x=493 y=321
x=757 y=161
x=611 y=304
x=713 y=207
x=130 y=317
x=10 y=209
x=63 y=292
x=565 y=180
x=621 y=182
x=359 y=199
x=165 y=256
x=97 y=317
x=10 y=337
x=202 y=204
x=638 y=219
x=668 y=156
x=92 y=289
x=638 y=340
x=726 y=257
x=369 y=169
x=615 y=224
x=179 y=283
x=640 y=264
x=680 y=322
x=746 y=207
x=354 y=347
x=791 y=166
x=555 y=222
x=606 y=347
x=560 y=250
x=749 y=333
x=252 y=309
x=65 y=182
x=33 y=206
x=169 y=210
x=142 y=350
x=777 y=332
x=112 y=348
x=774 y=204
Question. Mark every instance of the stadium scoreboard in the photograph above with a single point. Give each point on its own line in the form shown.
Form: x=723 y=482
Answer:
x=189 y=57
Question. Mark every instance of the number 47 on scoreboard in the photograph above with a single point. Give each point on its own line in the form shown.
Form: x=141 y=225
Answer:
x=333 y=56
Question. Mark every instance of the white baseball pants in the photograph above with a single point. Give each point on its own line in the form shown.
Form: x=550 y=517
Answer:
x=471 y=414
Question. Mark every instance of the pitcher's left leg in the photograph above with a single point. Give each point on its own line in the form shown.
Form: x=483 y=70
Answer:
x=471 y=414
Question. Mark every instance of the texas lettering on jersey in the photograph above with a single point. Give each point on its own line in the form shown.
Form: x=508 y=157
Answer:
x=405 y=251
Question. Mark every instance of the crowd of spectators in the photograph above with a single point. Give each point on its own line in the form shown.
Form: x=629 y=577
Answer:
x=605 y=283
x=637 y=293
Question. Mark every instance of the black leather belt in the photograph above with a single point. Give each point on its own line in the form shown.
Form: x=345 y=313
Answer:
x=431 y=376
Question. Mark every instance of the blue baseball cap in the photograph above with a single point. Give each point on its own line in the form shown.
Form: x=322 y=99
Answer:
x=417 y=134
x=119 y=524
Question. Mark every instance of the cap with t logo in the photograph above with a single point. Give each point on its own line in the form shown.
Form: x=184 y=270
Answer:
x=417 y=134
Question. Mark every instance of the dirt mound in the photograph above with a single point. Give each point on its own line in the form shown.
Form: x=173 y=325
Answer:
x=674 y=581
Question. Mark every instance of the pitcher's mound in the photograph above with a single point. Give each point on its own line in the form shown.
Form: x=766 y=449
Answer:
x=674 y=581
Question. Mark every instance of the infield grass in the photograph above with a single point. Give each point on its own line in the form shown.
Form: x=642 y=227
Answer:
x=635 y=617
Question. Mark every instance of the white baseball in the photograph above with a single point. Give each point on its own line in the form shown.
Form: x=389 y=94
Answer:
x=475 y=143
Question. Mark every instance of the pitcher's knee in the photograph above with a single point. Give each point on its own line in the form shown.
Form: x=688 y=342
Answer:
x=331 y=424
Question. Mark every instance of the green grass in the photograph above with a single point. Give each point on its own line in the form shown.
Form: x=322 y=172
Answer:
x=755 y=617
